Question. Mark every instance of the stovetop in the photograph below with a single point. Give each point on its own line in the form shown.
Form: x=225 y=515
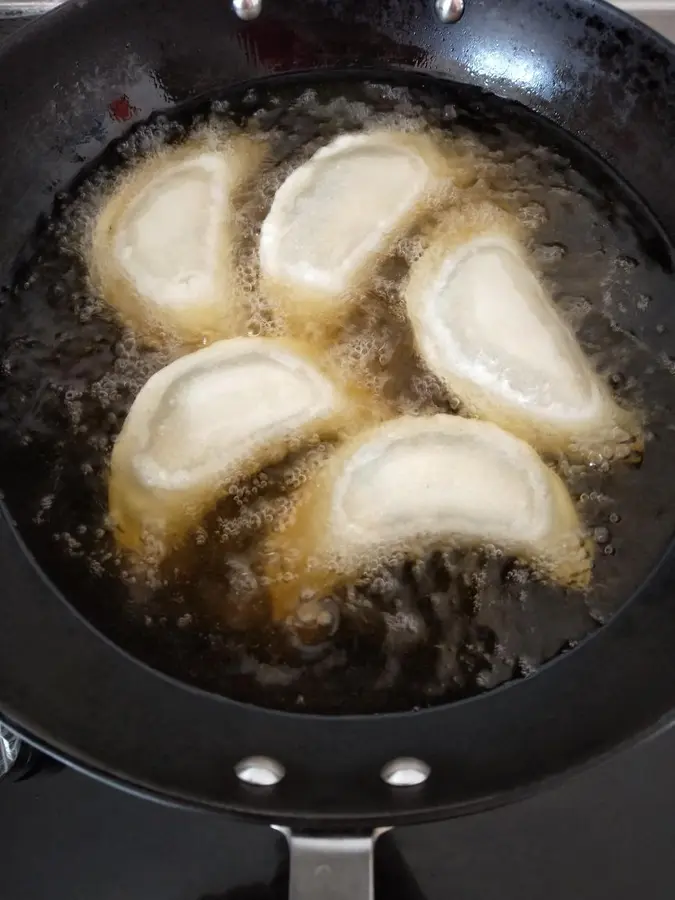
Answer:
x=605 y=833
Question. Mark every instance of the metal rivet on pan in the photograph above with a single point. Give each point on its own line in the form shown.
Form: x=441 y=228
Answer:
x=405 y=772
x=247 y=9
x=449 y=10
x=260 y=771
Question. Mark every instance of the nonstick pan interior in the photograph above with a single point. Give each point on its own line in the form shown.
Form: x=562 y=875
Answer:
x=423 y=633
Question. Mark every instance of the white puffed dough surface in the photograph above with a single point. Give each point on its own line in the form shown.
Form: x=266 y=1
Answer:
x=162 y=250
x=207 y=420
x=334 y=217
x=485 y=324
x=415 y=483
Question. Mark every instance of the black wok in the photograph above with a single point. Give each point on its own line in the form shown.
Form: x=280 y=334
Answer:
x=590 y=69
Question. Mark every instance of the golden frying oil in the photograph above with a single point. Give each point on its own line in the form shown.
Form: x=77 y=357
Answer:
x=414 y=632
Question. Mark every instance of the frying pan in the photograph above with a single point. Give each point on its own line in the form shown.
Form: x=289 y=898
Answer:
x=581 y=64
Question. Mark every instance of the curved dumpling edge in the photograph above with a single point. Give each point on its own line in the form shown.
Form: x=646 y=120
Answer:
x=148 y=522
x=244 y=156
x=567 y=558
x=308 y=310
x=619 y=431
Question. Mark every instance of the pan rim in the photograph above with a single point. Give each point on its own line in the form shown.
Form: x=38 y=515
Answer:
x=324 y=804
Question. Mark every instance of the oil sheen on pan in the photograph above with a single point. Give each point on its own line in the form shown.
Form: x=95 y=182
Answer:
x=416 y=629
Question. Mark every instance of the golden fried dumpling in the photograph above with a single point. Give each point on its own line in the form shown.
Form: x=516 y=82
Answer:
x=208 y=419
x=335 y=216
x=162 y=246
x=485 y=324
x=414 y=484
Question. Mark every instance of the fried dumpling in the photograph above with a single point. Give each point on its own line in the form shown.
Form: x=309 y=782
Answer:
x=334 y=216
x=162 y=246
x=414 y=484
x=487 y=327
x=207 y=420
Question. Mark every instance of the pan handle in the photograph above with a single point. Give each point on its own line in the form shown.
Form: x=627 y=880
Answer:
x=331 y=868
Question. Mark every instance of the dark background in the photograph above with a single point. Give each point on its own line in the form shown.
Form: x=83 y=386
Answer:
x=607 y=833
